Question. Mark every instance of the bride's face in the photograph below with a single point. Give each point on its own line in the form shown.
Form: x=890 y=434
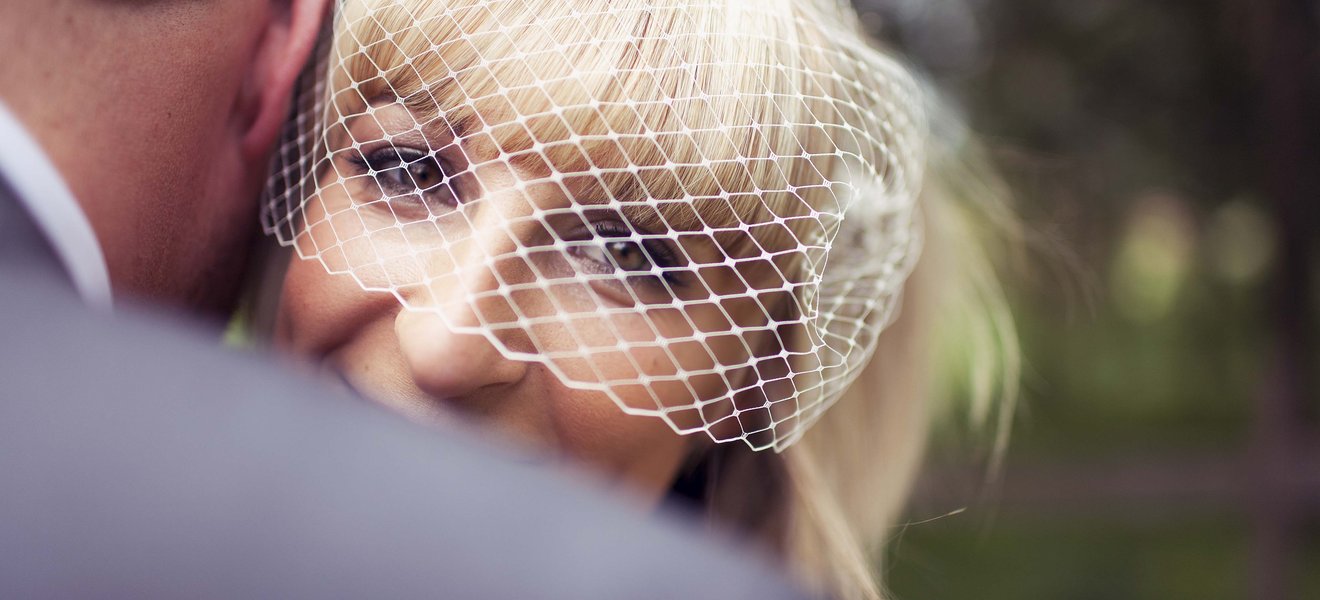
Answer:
x=463 y=254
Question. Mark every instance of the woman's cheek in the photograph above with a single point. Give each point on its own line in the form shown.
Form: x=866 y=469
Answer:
x=314 y=308
x=642 y=451
x=292 y=315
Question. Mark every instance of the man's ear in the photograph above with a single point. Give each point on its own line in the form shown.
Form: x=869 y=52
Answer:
x=290 y=36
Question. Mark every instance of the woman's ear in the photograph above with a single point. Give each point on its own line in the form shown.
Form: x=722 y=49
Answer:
x=291 y=31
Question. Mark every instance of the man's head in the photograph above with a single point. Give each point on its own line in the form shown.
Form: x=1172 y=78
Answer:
x=160 y=115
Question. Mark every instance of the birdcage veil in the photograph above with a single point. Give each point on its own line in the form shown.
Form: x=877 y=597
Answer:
x=703 y=210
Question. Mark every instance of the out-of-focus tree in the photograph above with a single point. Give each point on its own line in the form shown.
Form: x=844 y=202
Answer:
x=1173 y=150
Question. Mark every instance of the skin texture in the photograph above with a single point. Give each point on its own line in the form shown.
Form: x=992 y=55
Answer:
x=162 y=133
x=412 y=361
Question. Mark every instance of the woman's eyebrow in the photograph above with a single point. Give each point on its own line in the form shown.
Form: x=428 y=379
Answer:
x=435 y=138
x=628 y=195
x=395 y=118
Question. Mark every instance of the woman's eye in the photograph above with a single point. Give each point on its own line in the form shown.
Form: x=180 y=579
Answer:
x=405 y=172
x=425 y=174
x=616 y=250
x=628 y=256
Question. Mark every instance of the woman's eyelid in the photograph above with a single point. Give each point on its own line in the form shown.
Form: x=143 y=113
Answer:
x=412 y=142
x=390 y=157
x=394 y=155
x=657 y=248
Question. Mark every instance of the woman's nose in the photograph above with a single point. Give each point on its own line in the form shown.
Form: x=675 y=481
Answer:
x=449 y=364
x=444 y=355
x=462 y=295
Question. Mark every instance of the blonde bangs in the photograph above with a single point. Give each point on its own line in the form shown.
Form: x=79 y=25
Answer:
x=721 y=109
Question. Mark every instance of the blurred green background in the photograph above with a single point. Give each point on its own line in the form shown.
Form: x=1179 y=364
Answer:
x=1165 y=445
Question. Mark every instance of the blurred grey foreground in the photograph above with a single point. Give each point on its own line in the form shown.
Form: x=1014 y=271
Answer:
x=141 y=460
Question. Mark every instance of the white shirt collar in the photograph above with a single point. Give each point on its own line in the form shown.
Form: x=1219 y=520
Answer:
x=57 y=214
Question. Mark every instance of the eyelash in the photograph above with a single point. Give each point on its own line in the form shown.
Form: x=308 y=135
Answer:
x=658 y=253
x=392 y=167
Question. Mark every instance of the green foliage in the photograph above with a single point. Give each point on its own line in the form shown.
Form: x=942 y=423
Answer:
x=1127 y=130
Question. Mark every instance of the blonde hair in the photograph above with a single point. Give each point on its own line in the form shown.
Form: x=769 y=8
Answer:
x=822 y=504
x=843 y=507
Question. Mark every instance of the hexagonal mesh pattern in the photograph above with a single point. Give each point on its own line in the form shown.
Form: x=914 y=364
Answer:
x=702 y=210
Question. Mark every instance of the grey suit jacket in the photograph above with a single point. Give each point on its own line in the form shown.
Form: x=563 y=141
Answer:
x=138 y=459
